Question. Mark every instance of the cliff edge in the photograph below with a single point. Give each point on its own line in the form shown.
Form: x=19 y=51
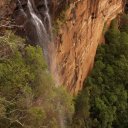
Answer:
x=79 y=37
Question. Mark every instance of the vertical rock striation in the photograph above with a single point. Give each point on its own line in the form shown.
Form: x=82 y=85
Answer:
x=79 y=37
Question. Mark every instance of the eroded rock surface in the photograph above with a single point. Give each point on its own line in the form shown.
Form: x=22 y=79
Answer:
x=79 y=37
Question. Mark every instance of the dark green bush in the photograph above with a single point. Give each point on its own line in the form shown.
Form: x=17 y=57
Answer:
x=103 y=101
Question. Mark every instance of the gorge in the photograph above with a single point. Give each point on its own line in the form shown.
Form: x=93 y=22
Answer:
x=75 y=83
x=78 y=35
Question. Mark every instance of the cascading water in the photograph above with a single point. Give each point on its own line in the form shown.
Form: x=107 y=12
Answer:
x=40 y=30
x=47 y=19
x=37 y=22
x=44 y=37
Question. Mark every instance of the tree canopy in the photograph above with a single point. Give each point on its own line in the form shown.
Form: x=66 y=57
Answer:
x=28 y=96
x=103 y=101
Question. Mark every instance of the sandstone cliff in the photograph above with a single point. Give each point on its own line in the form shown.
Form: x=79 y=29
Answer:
x=78 y=37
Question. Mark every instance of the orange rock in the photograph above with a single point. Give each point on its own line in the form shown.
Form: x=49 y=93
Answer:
x=80 y=38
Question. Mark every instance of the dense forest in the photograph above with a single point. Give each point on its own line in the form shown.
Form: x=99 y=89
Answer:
x=103 y=103
x=28 y=96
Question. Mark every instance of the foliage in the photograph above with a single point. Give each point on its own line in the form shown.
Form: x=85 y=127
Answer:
x=61 y=16
x=103 y=101
x=28 y=96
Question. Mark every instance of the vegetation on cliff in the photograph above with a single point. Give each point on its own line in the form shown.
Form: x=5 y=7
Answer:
x=103 y=101
x=28 y=96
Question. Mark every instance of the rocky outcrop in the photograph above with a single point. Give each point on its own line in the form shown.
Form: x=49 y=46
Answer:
x=79 y=37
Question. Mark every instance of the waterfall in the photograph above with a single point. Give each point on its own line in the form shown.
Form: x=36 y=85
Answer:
x=47 y=18
x=44 y=34
x=41 y=31
x=37 y=21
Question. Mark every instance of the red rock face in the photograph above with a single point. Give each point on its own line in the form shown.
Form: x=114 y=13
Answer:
x=79 y=37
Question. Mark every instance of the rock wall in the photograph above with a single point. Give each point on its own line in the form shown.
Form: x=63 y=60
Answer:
x=79 y=37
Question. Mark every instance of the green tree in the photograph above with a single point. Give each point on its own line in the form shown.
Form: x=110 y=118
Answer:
x=103 y=101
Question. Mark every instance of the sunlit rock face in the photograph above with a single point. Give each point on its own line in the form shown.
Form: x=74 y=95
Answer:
x=79 y=37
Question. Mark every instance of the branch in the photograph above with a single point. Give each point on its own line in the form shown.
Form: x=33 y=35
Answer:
x=13 y=121
x=17 y=110
x=17 y=121
x=10 y=26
